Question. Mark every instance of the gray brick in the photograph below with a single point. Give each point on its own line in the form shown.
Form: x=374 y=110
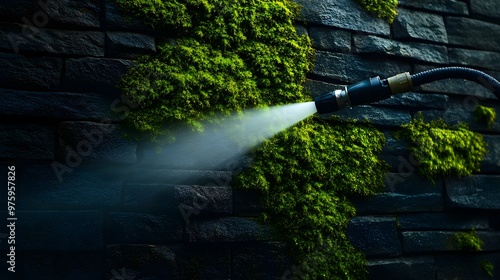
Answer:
x=316 y=88
x=26 y=141
x=375 y=115
x=446 y=6
x=465 y=32
x=330 y=39
x=141 y=228
x=31 y=73
x=417 y=100
x=417 y=51
x=95 y=142
x=464 y=266
x=458 y=87
x=115 y=18
x=56 y=105
x=374 y=236
x=416 y=268
x=152 y=197
x=475 y=58
x=58 y=231
x=228 y=229
x=349 y=68
x=207 y=200
x=99 y=75
x=344 y=14
x=491 y=161
x=48 y=265
x=80 y=186
x=52 y=41
x=476 y=191
x=442 y=221
x=57 y=12
x=419 y=25
x=129 y=45
x=488 y=8
x=405 y=192
x=263 y=260
x=202 y=261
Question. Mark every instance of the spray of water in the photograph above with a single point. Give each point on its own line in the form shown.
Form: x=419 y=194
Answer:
x=227 y=138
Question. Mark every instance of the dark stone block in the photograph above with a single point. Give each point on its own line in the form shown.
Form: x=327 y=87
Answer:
x=330 y=39
x=446 y=6
x=26 y=141
x=301 y=29
x=247 y=203
x=155 y=197
x=465 y=266
x=491 y=161
x=52 y=41
x=57 y=105
x=469 y=32
x=263 y=260
x=229 y=229
x=405 y=192
x=129 y=45
x=143 y=175
x=417 y=51
x=475 y=58
x=488 y=8
x=317 y=88
x=428 y=241
x=76 y=186
x=139 y=228
x=442 y=221
x=54 y=12
x=419 y=25
x=32 y=73
x=374 y=236
x=476 y=191
x=55 y=265
x=344 y=14
x=454 y=86
x=95 y=142
x=206 y=200
x=115 y=18
x=416 y=268
x=58 y=231
x=99 y=75
x=376 y=115
x=350 y=68
x=417 y=100
x=177 y=262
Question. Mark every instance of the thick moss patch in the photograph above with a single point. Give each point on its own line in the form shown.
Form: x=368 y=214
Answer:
x=485 y=114
x=441 y=149
x=385 y=9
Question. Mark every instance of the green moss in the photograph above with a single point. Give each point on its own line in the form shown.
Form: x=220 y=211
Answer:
x=488 y=267
x=443 y=150
x=469 y=241
x=385 y=9
x=230 y=56
x=485 y=114
x=306 y=175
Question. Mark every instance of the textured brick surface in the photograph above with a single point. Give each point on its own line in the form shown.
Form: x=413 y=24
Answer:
x=374 y=236
x=402 y=268
x=26 y=141
x=21 y=72
x=469 y=32
x=227 y=229
x=442 y=221
x=419 y=25
x=330 y=39
x=380 y=116
x=475 y=58
x=489 y=8
x=129 y=45
x=477 y=191
x=446 y=6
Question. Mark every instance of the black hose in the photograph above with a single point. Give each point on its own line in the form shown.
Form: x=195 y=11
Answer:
x=457 y=73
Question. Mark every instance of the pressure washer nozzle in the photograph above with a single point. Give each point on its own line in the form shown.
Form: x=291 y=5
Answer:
x=364 y=92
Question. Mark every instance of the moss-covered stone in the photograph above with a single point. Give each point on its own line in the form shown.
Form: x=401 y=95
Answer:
x=485 y=114
x=469 y=241
x=443 y=150
x=306 y=175
x=385 y=9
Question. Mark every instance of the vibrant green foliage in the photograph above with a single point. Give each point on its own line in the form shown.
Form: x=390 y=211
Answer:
x=230 y=56
x=488 y=267
x=469 y=241
x=306 y=175
x=385 y=9
x=443 y=150
x=486 y=114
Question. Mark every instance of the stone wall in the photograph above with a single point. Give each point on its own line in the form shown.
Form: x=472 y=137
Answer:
x=89 y=207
